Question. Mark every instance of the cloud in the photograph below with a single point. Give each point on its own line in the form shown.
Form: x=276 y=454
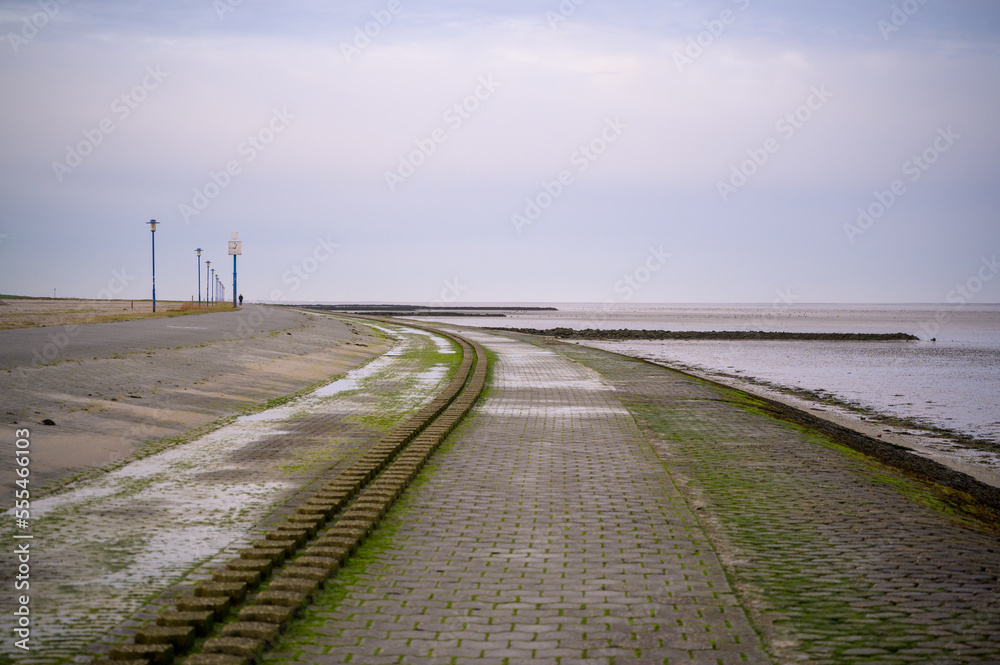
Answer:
x=354 y=119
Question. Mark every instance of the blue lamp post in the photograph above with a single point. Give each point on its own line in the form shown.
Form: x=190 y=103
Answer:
x=213 y=285
x=152 y=228
x=199 y=276
x=208 y=298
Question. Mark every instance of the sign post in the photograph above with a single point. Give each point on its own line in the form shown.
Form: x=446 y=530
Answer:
x=235 y=249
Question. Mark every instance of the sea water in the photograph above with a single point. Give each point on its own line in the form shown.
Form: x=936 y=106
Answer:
x=952 y=382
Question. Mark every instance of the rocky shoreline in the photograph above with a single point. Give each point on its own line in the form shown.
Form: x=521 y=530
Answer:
x=725 y=335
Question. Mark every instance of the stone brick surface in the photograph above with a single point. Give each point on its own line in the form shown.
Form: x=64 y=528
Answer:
x=546 y=530
x=842 y=559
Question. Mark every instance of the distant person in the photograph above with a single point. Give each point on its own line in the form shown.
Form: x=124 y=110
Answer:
x=241 y=300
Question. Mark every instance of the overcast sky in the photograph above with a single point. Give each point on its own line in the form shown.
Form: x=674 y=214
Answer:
x=395 y=150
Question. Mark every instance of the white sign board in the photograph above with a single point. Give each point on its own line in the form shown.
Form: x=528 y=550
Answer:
x=235 y=247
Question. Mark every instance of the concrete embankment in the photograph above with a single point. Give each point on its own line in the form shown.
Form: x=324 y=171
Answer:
x=119 y=545
x=112 y=389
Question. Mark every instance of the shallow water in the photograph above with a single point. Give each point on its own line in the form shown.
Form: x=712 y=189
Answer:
x=953 y=383
x=953 y=386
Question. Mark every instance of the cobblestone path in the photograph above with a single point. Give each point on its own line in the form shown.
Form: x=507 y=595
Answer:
x=840 y=559
x=546 y=530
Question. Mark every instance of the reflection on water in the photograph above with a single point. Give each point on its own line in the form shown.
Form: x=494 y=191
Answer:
x=954 y=386
x=953 y=382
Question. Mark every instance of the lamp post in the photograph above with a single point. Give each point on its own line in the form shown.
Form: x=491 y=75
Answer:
x=152 y=228
x=213 y=285
x=199 y=276
x=208 y=299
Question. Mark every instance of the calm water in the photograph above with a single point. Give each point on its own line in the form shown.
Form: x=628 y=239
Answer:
x=953 y=382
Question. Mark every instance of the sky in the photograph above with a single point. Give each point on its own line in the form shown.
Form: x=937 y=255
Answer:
x=729 y=151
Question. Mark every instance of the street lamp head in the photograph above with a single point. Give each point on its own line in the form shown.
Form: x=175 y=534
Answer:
x=199 y=251
x=152 y=225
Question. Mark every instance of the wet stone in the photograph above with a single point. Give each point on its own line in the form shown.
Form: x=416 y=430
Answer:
x=238 y=646
x=297 y=584
x=217 y=659
x=281 y=598
x=249 y=577
x=278 y=614
x=234 y=590
x=157 y=654
x=254 y=629
x=217 y=605
x=202 y=622
x=181 y=637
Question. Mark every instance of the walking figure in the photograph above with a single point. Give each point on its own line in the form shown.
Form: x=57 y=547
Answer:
x=241 y=300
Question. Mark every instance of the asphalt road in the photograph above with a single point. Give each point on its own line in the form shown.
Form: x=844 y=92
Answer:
x=29 y=347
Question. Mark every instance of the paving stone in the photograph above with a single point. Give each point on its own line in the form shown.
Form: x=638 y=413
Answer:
x=202 y=621
x=157 y=654
x=283 y=598
x=233 y=590
x=541 y=486
x=181 y=637
x=286 y=582
x=250 y=577
x=255 y=629
x=834 y=552
x=263 y=566
x=309 y=572
x=218 y=605
x=277 y=614
x=216 y=659
x=246 y=647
